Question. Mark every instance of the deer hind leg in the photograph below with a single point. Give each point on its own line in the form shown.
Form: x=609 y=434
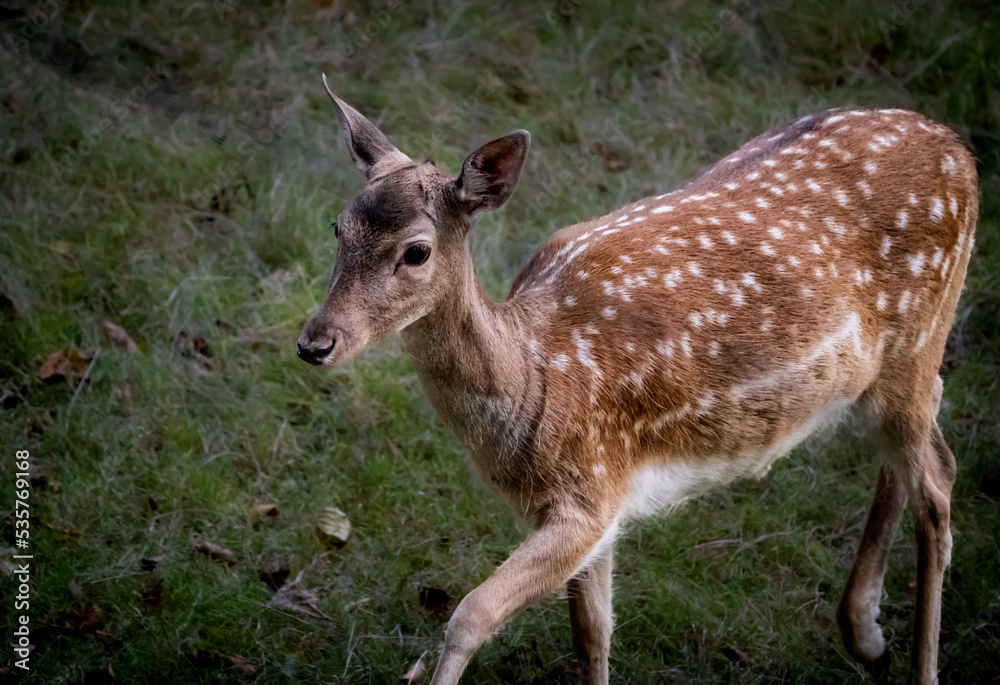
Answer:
x=916 y=452
x=858 y=609
x=590 y=617
x=549 y=558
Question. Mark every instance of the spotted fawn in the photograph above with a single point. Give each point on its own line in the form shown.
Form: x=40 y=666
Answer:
x=676 y=344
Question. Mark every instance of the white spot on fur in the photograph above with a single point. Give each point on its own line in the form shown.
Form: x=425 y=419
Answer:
x=886 y=244
x=583 y=352
x=834 y=226
x=882 y=301
x=937 y=209
x=748 y=217
x=750 y=281
x=917 y=263
x=871 y=167
x=662 y=209
x=904 y=301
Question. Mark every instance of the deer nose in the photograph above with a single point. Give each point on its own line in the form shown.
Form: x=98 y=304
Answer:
x=314 y=355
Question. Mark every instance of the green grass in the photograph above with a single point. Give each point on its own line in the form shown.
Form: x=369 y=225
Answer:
x=173 y=167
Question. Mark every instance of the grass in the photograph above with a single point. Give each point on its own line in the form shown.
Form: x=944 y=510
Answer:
x=173 y=167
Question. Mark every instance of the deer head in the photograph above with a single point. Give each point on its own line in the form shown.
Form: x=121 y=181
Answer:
x=401 y=242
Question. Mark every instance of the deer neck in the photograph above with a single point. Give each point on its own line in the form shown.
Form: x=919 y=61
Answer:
x=470 y=356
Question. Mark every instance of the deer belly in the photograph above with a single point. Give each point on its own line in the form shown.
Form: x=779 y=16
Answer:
x=661 y=484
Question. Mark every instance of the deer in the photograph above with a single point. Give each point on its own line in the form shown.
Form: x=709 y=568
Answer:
x=677 y=344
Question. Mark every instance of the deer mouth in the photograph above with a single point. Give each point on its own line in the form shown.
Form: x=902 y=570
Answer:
x=313 y=355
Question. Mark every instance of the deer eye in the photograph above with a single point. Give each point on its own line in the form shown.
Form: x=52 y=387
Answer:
x=336 y=229
x=416 y=254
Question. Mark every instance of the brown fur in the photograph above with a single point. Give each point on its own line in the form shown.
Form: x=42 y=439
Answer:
x=681 y=341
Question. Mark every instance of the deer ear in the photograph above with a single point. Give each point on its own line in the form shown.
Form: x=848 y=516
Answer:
x=489 y=175
x=368 y=146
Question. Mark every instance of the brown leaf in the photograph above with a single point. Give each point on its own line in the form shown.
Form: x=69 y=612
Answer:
x=63 y=364
x=119 y=338
x=333 y=527
x=38 y=472
x=416 y=672
x=242 y=665
x=274 y=576
x=331 y=9
x=153 y=595
x=83 y=618
x=293 y=597
x=213 y=551
x=149 y=564
x=200 y=346
x=64 y=534
x=434 y=600
x=260 y=510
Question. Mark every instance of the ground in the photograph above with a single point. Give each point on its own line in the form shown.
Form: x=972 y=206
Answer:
x=173 y=167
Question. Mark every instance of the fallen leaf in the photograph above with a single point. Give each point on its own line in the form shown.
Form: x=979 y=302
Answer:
x=153 y=595
x=119 y=338
x=213 y=551
x=200 y=346
x=63 y=364
x=415 y=673
x=242 y=665
x=274 y=577
x=293 y=597
x=38 y=472
x=261 y=511
x=333 y=527
x=83 y=618
x=149 y=564
x=64 y=534
x=433 y=599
